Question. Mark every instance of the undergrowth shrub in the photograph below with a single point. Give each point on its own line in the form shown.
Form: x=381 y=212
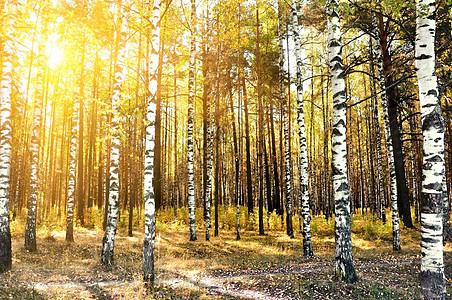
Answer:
x=94 y=218
x=368 y=228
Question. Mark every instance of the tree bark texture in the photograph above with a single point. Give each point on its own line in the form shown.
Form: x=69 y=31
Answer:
x=432 y=264
x=149 y=195
x=113 y=207
x=345 y=269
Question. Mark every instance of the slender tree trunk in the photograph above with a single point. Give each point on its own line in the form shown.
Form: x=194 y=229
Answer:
x=285 y=116
x=378 y=151
x=158 y=137
x=345 y=269
x=216 y=134
x=36 y=135
x=113 y=207
x=249 y=182
x=190 y=152
x=209 y=169
x=276 y=191
x=149 y=204
x=267 y=175
x=6 y=137
x=72 y=174
x=260 y=129
x=303 y=192
x=391 y=160
x=403 y=203
x=208 y=138
x=432 y=264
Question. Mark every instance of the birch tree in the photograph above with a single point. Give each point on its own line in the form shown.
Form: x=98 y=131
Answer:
x=113 y=208
x=284 y=112
x=30 y=229
x=345 y=269
x=392 y=174
x=71 y=175
x=6 y=137
x=190 y=123
x=433 y=169
x=303 y=189
x=149 y=199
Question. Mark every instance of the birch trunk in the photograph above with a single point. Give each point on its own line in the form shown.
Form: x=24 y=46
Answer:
x=392 y=174
x=345 y=269
x=285 y=121
x=6 y=137
x=447 y=230
x=209 y=167
x=432 y=264
x=30 y=230
x=303 y=189
x=113 y=208
x=149 y=196
x=190 y=152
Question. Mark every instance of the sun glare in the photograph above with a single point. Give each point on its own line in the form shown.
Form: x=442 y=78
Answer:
x=54 y=52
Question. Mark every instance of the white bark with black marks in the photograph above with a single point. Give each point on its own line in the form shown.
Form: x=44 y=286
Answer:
x=190 y=151
x=392 y=174
x=345 y=269
x=303 y=192
x=432 y=264
x=284 y=112
x=447 y=230
x=149 y=195
x=209 y=166
x=108 y=241
x=6 y=136
x=30 y=229
x=72 y=174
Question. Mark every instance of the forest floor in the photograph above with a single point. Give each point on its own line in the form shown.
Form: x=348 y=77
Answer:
x=256 y=267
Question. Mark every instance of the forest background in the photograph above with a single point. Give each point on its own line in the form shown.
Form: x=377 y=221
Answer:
x=73 y=121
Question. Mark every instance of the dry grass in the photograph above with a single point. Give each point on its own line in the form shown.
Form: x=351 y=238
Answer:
x=272 y=264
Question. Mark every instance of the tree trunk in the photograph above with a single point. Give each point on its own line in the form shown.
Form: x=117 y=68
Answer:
x=403 y=202
x=6 y=137
x=113 y=207
x=260 y=129
x=276 y=190
x=345 y=269
x=391 y=159
x=190 y=124
x=149 y=196
x=36 y=135
x=432 y=264
x=286 y=138
x=249 y=182
x=216 y=134
x=80 y=170
x=303 y=188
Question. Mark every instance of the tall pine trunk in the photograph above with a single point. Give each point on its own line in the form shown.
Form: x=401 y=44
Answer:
x=432 y=264
x=260 y=128
x=403 y=203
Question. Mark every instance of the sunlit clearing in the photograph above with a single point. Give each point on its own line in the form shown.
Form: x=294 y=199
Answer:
x=53 y=52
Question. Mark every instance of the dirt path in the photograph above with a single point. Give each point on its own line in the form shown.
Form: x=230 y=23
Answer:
x=229 y=283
